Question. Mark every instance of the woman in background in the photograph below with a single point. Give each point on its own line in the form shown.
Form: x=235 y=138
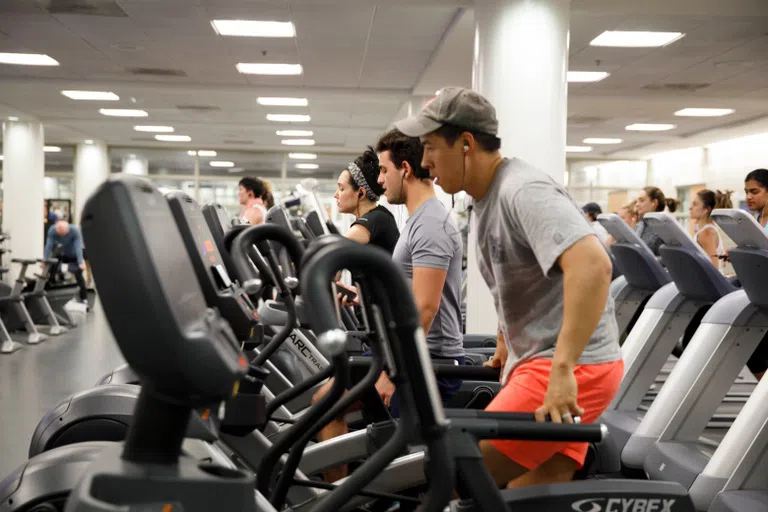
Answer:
x=651 y=199
x=706 y=233
x=756 y=187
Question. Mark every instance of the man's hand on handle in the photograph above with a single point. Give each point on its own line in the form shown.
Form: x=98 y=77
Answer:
x=560 y=401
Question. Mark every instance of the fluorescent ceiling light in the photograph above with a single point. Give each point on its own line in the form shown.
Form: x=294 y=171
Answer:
x=173 y=138
x=596 y=140
x=88 y=141
x=295 y=133
x=191 y=152
x=249 y=68
x=13 y=118
x=298 y=142
x=302 y=156
x=577 y=149
x=649 y=127
x=91 y=95
x=586 y=76
x=289 y=118
x=221 y=163
x=307 y=166
x=283 y=102
x=27 y=59
x=635 y=39
x=250 y=28
x=704 y=112
x=154 y=129
x=52 y=149
x=123 y=112
x=206 y=152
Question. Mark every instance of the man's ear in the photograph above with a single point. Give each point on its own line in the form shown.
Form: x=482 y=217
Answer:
x=406 y=170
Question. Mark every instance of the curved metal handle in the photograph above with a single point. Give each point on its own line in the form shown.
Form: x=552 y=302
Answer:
x=255 y=234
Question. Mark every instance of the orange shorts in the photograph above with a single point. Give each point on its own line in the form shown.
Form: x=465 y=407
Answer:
x=524 y=392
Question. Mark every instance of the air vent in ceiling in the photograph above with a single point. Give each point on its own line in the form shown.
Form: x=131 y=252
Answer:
x=156 y=72
x=584 y=120
x=239 y=142
x=676 y=87
x=90 y=7
x=198 y=108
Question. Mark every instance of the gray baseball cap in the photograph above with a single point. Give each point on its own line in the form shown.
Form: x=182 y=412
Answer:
x=452 y=105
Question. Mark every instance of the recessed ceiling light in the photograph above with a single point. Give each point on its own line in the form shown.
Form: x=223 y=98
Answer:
x=307 y=166
x=704 y=112
x=206 y=152
x=27 y=59
x=597 y=140
x=13 y=118
x=298 y=142
x=649 y=127
x=577 y=149
x=221 y=163
x=249 y=68
x=635 y=39
x=91 y=95
x=173 y=138
x=250 y=28
x=289 y=118
x=586 y=76
x=88 y=141
x=52 y=149
x=154 y=129
x=191 y=152
x=123 y=112
x=283 y=102
x=302 y=156
x=295 y=133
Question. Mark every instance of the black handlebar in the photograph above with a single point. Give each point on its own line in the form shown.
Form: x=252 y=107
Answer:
x=252 y=235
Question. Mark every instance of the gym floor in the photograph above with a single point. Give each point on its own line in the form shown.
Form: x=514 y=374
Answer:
x=37 y=377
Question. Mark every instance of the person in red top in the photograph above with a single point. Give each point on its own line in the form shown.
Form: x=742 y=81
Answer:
x=255 y=197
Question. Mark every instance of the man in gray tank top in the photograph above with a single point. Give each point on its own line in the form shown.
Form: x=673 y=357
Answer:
x=549 y=276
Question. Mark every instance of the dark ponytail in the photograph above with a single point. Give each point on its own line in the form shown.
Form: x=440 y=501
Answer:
x=714 y=200
x=671 y=204
x=655 y=194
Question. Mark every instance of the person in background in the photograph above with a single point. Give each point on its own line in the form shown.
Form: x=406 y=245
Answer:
x=706 y=233
x=269 y=199
x=651 y=199
x=68 y=237
x=253 y=194
x=591 y=211
x=357 y=192
x=628 y=212
x=756 y=187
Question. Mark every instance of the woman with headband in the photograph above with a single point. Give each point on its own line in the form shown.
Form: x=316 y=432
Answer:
x=357 y=193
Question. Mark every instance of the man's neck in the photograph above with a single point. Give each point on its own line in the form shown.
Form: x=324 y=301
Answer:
x=419 y=193
x=485 y=168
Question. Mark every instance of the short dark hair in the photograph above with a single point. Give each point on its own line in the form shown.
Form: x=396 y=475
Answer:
x=403 y=149
x=760 y=176
x=451 y=133
x=255 y=185
x=593 y=210
x=368 y=163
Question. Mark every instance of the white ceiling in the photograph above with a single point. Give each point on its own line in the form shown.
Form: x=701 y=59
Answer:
x=364 y=62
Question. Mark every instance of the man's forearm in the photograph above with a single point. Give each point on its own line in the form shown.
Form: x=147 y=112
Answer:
x=585 y=294
x=426 y=317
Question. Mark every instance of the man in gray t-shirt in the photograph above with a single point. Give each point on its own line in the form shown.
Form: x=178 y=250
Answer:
x=549 y=276
x=431 y=240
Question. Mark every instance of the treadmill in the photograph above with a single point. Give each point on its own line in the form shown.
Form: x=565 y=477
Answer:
x=708 y=367
x=646 y=352
x=642 y=274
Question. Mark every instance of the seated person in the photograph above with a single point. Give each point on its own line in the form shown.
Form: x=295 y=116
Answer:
x=430 y=252
x=356 y=194
x=68 y=237
x=549 y=276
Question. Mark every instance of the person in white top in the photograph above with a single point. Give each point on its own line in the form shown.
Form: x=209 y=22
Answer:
x=255 y=196
x=591 y=211
x=706 y=233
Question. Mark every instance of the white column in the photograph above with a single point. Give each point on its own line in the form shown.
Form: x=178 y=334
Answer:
x=520 y=65
x=91 y=170
x=134 y=164
x=23 y=171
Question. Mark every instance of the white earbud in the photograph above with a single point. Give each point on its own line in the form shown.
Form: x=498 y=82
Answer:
x=466 y=148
